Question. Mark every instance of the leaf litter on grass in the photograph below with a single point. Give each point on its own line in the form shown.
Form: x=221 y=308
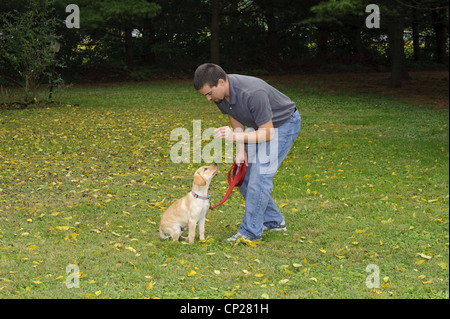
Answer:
x=88 y=185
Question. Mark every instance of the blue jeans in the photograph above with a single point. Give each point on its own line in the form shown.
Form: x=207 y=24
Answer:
x=264 y=160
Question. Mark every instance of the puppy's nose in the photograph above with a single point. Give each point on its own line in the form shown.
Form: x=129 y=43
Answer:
x=215 y=164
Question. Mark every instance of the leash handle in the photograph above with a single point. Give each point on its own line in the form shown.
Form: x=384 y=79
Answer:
x=236 y=180
x=239 y=177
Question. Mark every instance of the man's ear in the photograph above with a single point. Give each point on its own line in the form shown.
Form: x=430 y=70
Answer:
x=199 y=180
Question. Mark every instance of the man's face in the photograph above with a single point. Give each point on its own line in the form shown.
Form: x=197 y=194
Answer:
x=214 y=93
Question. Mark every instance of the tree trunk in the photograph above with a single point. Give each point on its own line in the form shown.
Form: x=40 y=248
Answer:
x=149 y=40
x=273 y=50
x=357 y=43
x=215 y=43
x=415 y=35
x=272 y=29
x=235 y=34
x=397 y=51
x=129 y=48
x=441 y=34
x=322 y=43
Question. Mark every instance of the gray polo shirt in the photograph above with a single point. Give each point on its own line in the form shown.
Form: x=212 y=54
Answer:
x=253 y=102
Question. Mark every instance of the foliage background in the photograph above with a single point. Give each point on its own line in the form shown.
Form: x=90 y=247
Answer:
x=138 y=39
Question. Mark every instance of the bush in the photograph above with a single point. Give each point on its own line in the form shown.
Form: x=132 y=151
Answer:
x=26 y=46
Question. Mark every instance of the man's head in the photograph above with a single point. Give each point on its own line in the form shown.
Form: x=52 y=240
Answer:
x=211 y=81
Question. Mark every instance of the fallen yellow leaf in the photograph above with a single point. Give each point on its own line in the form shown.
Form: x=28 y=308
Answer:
x=131 y=249
x=425 y=256
x=250 y=243
x=443 y=265
x=191 y=273
x=134 y=266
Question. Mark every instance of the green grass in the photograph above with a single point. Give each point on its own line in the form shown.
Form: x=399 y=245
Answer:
x=365 y=183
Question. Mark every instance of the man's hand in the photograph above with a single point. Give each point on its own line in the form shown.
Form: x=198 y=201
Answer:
x=224 y=132
x=241 y=158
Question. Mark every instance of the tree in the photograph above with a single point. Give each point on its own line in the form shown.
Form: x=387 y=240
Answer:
x=332 y=15
x=26 y=44
x=118 y=18
x=396 y=14
x=421 y=10
x=268 y=8
x=396 y=27
x=440 y=16
x=215 y=40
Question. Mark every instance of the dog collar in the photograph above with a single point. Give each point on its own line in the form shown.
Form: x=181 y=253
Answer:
x=198 y=196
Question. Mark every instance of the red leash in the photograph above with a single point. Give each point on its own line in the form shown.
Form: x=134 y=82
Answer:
x=237 y=180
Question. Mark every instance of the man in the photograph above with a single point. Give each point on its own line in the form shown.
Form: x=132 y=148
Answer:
x=275 y=121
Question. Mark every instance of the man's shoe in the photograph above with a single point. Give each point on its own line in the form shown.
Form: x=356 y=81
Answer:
x=240 y=235
x=281 y=227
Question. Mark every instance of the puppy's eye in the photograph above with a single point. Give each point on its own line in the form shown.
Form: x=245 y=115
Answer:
x=206 y=168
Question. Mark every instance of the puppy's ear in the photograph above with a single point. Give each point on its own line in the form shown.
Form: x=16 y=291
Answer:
x=199 y=180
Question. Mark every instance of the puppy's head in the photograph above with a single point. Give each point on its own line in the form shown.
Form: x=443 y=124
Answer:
x=205 y=174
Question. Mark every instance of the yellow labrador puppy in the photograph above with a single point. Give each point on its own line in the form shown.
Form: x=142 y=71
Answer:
x=190 y=209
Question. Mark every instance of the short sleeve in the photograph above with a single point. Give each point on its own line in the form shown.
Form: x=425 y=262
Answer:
x=259 y=106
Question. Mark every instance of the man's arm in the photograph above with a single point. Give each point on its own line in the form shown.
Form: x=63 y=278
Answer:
x=235 y=123
x=264 y=133
x=238 y=127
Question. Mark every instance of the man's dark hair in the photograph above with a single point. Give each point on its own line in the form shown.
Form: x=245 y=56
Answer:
x=208 y=73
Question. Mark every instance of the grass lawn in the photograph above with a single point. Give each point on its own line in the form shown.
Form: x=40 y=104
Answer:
x=366 y=183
